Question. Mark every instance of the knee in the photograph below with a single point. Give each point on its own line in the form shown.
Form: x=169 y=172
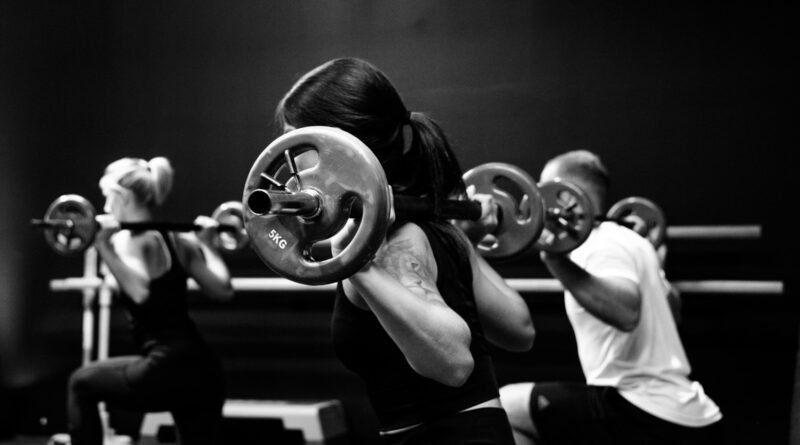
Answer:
x=515 y=398
x=514 y=394
x=80 y=382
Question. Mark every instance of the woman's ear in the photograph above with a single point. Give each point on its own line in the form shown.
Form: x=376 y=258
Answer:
x=126 y=197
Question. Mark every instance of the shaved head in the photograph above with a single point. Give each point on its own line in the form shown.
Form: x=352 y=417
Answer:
x=584 y=169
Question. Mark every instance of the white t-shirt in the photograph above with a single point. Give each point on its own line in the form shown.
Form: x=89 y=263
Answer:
x=647 y=365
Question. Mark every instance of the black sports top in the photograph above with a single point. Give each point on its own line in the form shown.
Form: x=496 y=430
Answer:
x=400 y=396
x=163 y=319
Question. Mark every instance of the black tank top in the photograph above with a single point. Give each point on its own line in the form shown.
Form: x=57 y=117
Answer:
x=163 y=319
x=400 y=396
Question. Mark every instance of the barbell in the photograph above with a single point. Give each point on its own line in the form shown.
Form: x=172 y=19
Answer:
x=290 y=209
x=70 y=225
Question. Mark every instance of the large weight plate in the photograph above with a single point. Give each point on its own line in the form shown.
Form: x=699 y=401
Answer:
x=519 y=201
x=644 y=215
x=569 y=218
x=81 y=231
x=343 y=170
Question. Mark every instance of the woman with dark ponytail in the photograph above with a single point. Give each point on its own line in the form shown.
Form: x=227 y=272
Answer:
x=175 y=370
x=417 y=321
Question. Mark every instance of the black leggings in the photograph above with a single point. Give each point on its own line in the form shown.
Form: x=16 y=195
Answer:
x=192 y=390
x=575 y=413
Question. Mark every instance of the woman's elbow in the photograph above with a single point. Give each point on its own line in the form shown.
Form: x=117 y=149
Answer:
x=458 y=372
x=520 y=338
x=226 y=294
x=222 y=293
x=525 y=340
x=138 y=295
x=452 y=371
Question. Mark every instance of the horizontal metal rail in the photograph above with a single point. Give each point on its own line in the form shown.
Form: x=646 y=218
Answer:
x=520 y=284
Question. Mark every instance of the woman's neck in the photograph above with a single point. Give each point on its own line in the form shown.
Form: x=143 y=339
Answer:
x=139 y=215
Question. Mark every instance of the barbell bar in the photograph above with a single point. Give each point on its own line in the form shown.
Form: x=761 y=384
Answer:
x=70 y=225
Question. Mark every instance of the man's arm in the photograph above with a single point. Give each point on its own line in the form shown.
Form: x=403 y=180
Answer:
x=613 y=300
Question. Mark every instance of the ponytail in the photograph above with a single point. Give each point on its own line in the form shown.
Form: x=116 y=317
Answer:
x=441 y=178
x=162 y=174
x=441 y=175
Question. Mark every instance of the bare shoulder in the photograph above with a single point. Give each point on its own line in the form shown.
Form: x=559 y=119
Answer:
x=142 y=250
x=185 y=238
x=187 y=245
x=412 y=234
x=408 y=240
x=126 y=242
x=408 y=256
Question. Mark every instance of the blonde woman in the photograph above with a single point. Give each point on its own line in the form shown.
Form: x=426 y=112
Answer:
x=176 y=371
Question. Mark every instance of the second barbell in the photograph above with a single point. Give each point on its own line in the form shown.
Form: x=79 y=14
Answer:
x=70 y=225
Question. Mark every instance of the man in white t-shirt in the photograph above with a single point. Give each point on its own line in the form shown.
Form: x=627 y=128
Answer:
x=637 y=388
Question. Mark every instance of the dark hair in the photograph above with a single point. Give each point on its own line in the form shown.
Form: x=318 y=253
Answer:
x=355 y=96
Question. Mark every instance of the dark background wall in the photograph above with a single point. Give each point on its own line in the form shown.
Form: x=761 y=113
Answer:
x=687 y=102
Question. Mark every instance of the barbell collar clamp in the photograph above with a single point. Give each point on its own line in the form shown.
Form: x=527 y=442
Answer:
x=306 y=203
